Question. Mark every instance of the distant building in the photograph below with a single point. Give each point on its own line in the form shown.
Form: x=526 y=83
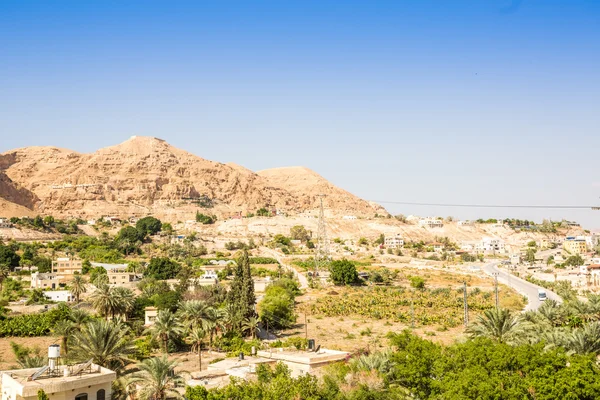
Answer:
x=150 y=314
x=465 y=223
x=394 y=242
x=574 y=246
x=60 y=382
x=491 y=245
x=5 y=223
x=120 y=278
x=110 y=267
x=59 y=295
x=515 y=259
x=438 y=247
x=45 y=281
x=66 y=267
x=431 y=223
x=349 y=217
x=304 y=362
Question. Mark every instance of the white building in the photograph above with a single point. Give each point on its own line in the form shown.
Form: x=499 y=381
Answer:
x=59 y=295
x=515 y=259
x=349 y=217
x=110 y=267
x=431 y=223
x=150 y=314
x=491 y=245
x=394 y=242
x=5 y=223
x=60 y=382
x=45 y=281
x=465 y=223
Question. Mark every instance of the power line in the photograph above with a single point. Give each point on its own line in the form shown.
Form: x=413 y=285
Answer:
x=595 y=208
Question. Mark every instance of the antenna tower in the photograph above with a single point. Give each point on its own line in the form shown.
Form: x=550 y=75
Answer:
x=322 y=251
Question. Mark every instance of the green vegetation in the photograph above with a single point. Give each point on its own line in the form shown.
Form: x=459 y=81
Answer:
x=205 y=219
x=343 y=272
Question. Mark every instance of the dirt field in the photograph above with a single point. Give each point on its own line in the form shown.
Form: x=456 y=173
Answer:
x=7 y=358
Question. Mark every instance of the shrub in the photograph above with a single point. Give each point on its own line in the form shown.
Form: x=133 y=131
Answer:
x=343 y=272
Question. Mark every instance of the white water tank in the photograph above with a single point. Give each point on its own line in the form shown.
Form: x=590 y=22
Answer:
x=53 y=351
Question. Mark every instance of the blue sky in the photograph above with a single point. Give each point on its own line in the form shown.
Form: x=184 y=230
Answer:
x=491 y=101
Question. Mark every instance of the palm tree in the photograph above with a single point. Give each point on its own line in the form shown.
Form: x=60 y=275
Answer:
x=105 y=302
x=196 y=338
x=581 y=309
x=551 y=312
x=251 y=324
x=64 y=328
x=496 y=324
x=216 y=320
x=107 y=343
x=78 y=286
x=166 y=327
x=585 y=340
x=79 y=317
x=126 y=300
x=194 y=313
x=157 y=379
x=4 y=272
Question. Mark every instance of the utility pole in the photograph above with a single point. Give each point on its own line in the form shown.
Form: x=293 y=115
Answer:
x=322 y=250
x=466 y=304
x=496 y=287
x=305 y=327
x=412 y=309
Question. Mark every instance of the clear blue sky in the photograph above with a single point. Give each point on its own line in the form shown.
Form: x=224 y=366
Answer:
x=494 y=101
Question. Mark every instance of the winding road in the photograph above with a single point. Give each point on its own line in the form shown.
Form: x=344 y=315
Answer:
x=525 y=288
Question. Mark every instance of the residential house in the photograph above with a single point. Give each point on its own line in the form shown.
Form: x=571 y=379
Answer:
x=574 y=246
x=394 y=242
x=304 y=362
x=66 y=267
x=465 y=223
x=349 y=217
x=5 y=223
x=438 y=247
x=515 y=259
x=492 y=245
x=431 y=223
x=86 y=381
x=45 y=281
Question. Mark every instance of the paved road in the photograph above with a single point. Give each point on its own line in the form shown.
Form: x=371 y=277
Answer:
x=525 y=288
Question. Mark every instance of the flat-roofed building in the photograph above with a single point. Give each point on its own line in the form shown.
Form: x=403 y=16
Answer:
x=394 y=242
x=66 y=267
x=574 y=246
x=304 y=362
x=64 y=382
x=45 y=281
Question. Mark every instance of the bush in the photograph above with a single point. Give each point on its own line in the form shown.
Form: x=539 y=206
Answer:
x=343 y=272
x=417 y=282
x=162 y=268
x=33 y=324
x=148 y=226
x=277 y=308
x=205 y=219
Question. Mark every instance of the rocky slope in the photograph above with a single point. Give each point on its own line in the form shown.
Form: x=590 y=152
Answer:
x=146 y=175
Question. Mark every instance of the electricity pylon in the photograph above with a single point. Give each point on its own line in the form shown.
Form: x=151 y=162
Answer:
x=322 y=249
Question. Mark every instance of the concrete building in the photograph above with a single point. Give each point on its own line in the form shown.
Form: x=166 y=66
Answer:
x=62 y=296
x=60 y=382
x=45 y=281
x=349 y=217
x=491 y=245
x=515 y=259
x=431 y=223
x=438 y=247
x=122 y=278
x=394 y=242
x=110 y=267
x=304 y=362
x=150 y=314
x=66 y=268
x=465 y=223
x=5 y=223
x=574 y=246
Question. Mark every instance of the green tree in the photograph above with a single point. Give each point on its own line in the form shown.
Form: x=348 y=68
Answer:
x=162 y=268
x=78 y=286
x=166 y=327
x=299 y=232
x=9 y=257
x=108 y=343
x=157 y=379
x=497 y=324
x=530 y=255
x=251 y=324
x=196 y=338
x=277 y=308
x=205 y=219
x=148 y=226
x=64 y=328
x=41 y=395
x=343 y=272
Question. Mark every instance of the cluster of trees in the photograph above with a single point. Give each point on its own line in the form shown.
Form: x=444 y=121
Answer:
x=205 y=219
x=49 y=223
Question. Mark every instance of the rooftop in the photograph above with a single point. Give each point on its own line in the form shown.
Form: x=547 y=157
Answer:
x=304 y=357
x=77 y=376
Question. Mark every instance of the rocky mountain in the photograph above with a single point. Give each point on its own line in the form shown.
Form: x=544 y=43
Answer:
x=146 y=175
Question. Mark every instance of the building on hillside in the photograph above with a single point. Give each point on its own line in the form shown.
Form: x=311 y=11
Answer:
x=120 y=278
x=465 y=223
x=394 y=242
x=66 y=267
x=62 y=296
x=86 y=381
x=593 y=271
x=431 y=223
x=150 y=314
x=515 y=259
x=574 y=246
x=438 y=247
x=5 y=223
x=45 y=281
x=349 y=217
x=468 y=246
x=492 y=245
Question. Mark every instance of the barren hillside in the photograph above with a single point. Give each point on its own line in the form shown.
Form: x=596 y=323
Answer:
x=146 y=175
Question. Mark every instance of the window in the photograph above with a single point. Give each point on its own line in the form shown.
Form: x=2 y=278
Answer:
x=100 y=394
x=81 y=396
